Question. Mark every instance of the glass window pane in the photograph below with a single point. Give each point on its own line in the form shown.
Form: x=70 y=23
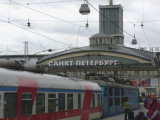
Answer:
x=51 y=102
x=110 y=92
x=105 y=91
x=10 y=105
x=110 y=102
x=40 y=103
x=122 y=92
x=69 y=101
x=26 y=104
x=99 y=99
x=79 y=101
x=93 y=100
x=117 y=101
x=61 y=98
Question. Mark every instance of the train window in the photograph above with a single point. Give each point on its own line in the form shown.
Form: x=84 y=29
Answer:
x=105 y=91
x=122 y=92
x=117 y=101
x=69 y=101
x=40 y=103
x=116 y=92
x=26 y=104
x=93 y=100
x=110 y=102
x=61 y=97
x=10 y=105
x=110 y=92
x=51 y=103
x=99 y=99
x=79 y=101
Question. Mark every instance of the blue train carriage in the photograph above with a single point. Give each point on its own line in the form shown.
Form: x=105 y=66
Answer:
x=113 y=95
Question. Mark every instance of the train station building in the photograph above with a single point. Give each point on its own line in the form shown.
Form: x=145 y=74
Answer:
x=107 y=56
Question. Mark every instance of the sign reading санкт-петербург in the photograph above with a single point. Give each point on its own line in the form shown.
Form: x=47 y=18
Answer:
x=83 y=63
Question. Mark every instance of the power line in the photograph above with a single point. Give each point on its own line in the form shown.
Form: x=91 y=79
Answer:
x=48 y=2
x=46 y=14
x=146 y=36
x=34 y=32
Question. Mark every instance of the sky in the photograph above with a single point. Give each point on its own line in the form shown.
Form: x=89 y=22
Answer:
x=58 y=25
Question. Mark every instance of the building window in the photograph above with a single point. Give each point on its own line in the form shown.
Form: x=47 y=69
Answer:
x=100 y=40
x=61 y=98
x=155 y=72
x=26 y=104
x=51 y=103
x=10 y=105
x=40 y=103
x=69 y=101
x=79 y=101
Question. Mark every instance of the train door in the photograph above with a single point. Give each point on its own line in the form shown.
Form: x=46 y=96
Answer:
x=26 y=94
x=105 y=102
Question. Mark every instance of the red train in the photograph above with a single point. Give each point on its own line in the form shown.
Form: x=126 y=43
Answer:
x=30 y=96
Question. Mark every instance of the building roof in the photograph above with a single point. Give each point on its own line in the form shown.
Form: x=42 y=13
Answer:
x=103 y=48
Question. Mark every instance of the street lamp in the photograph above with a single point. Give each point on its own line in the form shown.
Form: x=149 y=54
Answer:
x=84 y=9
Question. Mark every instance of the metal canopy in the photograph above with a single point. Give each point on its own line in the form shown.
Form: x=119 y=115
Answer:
x=84 y=9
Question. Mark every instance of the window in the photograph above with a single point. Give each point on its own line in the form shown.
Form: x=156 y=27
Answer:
x=51 y=103
x=40 y=103
x=110 y=92
x=26 y=104
x=122 y=92
x=117 y=101
x=110 y=102
x=93 y=100
x=99 y=99
x=61 y=98
x=116 y=92
x=105 y=91
x=10 y=105
x=79 y=101
x=69 y=101
x=100 y=40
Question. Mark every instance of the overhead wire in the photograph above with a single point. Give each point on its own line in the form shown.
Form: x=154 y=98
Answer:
x=48 y=2
x=35 y=32
x=46 y=14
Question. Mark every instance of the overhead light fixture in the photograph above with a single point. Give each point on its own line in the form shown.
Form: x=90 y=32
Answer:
x=84 y=9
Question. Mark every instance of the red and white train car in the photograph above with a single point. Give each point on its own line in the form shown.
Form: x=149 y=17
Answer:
x=30 y=96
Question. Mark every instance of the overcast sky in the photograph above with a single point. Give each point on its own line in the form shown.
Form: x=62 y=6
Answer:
x=63 y=32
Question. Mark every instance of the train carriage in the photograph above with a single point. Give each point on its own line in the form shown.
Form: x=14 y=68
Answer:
x=30 y=96
x=112 y=97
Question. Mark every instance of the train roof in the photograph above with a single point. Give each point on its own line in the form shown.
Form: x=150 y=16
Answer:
x=9 y=78
x=113 y=84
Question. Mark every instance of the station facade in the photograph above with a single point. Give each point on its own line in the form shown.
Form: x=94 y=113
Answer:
x=107 y=56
